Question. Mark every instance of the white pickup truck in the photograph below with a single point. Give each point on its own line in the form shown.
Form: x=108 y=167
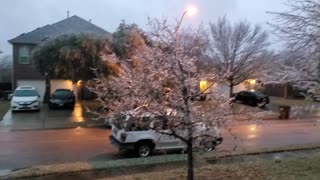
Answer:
x=145 y=141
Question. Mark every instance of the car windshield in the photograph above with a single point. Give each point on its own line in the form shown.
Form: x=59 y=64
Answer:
x=258 y=93
x=63 y=93
x=25 y=93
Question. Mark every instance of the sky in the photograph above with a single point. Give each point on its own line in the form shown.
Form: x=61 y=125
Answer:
x=22 y=16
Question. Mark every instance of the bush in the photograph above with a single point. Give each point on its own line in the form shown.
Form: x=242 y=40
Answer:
x=5 y=87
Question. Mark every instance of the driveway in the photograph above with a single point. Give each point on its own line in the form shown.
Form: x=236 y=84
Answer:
x=47 y=119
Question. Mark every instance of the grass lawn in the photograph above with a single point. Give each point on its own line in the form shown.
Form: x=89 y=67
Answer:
x=293 y=169
x=287 y=102
x=4 y=107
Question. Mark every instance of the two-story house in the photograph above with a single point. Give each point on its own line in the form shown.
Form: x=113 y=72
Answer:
x=24 y=70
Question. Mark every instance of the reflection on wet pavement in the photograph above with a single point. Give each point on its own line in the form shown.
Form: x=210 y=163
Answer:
x=60 y=118
x=77 y=114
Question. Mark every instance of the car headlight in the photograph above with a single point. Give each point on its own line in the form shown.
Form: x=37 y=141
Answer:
x=34 y=101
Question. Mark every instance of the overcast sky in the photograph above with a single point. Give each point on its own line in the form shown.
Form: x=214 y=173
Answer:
x=21 y=16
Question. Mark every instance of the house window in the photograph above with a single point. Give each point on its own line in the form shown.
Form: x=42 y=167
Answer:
x=24 y=55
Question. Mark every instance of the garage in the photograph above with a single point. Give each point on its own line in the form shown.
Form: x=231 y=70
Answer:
x=62 y=84
x=39 y=84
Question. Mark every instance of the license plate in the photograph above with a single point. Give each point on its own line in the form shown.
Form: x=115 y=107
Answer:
x=60 y=105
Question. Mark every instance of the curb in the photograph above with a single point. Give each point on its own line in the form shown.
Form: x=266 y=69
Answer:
x=290 y=148
x=58 y=169
x=77 y=167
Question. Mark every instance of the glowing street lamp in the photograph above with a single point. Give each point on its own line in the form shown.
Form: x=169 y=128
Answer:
x=191 y=10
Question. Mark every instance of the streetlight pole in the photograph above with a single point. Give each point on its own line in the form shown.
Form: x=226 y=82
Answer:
x=191 y=10
x=178 y=27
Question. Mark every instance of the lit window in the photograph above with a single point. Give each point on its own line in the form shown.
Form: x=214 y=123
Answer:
x=24 y=55
x=203 y=85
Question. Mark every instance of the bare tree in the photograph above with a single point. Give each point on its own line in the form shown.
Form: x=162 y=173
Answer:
x=299 y=28
x=5 y=68
x=239 y=51
x=161 y=80
x=299 y=25
x=300 y=68
x=4 y=61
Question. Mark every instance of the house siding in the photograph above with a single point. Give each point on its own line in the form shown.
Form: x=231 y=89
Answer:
x=24 y=71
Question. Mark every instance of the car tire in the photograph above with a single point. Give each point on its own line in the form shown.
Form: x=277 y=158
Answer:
x=261 y=105
x=210 y=147
x=144 y=149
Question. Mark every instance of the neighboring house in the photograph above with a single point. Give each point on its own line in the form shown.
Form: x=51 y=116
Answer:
x=24 y=69
x=248 y=85
x=206 y=66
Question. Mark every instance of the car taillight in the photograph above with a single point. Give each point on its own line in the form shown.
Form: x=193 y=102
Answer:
x=123 y=137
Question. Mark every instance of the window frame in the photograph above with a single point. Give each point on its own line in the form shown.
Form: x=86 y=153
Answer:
x=24 y=52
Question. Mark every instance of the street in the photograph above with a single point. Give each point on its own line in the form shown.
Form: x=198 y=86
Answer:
x=20 y=149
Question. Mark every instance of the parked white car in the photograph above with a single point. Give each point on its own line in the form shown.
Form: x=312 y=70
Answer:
x=25 y=98
x=145 y=141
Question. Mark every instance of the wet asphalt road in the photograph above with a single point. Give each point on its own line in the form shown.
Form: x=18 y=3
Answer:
x=20 y=149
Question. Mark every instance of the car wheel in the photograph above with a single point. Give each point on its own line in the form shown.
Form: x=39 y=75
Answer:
x=210 y=147
x=144 y=149
x=262 y=104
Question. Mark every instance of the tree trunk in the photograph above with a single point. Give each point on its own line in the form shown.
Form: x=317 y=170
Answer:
x=285 y=93
x=190 y=160
x=47 y=91
x=231 y=89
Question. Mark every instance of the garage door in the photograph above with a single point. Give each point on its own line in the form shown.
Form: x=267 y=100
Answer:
x=39 y=84
x=62 y=84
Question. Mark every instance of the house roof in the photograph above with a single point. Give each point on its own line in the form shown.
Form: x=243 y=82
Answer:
x=71 y=25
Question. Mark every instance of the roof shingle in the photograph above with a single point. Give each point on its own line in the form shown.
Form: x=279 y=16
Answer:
x=71 y=25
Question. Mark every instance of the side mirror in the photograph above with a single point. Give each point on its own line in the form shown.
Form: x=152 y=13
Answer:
x=38 y=95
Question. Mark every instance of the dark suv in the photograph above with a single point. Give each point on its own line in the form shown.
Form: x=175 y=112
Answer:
x=252 y=98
